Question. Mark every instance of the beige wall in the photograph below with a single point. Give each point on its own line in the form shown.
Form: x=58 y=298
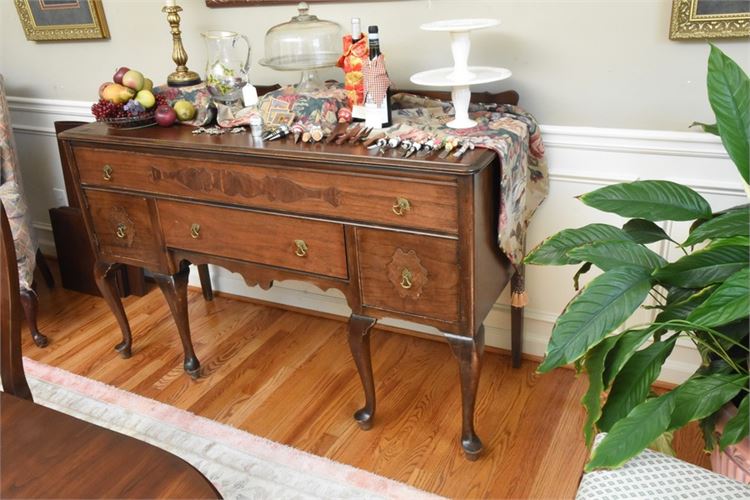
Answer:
x=598 y=63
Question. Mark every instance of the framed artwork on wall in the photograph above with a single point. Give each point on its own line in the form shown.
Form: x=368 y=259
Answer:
x=54 y=20
x=702 y=19
x=249 y=3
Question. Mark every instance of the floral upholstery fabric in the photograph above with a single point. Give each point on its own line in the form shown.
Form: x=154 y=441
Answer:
x=11 y=195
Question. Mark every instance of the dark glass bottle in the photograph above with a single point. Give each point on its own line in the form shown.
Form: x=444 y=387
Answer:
x=373 y=41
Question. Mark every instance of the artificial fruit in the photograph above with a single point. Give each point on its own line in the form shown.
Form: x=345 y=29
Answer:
x=116 y=93
x=117 y=78
x=165 y=115
x=184 y=109
x=146 y=98
x=133 y=79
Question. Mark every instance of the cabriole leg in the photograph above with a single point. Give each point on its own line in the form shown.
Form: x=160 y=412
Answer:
x=359 y=343
x=106 y=281
x=174 y=288
x=468 y=352
x=30 y=303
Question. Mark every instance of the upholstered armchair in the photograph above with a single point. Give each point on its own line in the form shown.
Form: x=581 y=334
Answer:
x=27 y=249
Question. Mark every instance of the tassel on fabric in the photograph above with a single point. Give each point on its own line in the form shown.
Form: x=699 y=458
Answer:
x=519 y=299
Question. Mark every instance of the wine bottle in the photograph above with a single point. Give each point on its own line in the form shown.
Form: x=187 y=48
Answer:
x=377 y=114
x=356 y=30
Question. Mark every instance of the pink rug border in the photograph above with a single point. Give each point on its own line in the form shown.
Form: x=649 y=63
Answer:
x=230 y=436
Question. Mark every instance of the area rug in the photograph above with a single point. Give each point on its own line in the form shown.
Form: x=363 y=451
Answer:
x=239 y=464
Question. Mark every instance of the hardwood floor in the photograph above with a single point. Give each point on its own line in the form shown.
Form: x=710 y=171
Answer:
x=289 y=377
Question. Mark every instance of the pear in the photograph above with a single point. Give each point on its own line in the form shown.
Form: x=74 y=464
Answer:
x=133 y=79
x=148 y=84
x=118 y=94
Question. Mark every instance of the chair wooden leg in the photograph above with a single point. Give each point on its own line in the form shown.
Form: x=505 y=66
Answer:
x=41 y=263
x=205 y=277
x=30 y=304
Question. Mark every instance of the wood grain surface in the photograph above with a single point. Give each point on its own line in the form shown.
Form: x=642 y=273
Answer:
x=290 y=378
x=255 y=237
x=302 y=190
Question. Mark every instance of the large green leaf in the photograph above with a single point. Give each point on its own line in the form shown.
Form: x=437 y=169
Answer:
x=683 y=308
x=633 y=434
x=603 y=305
x=729 y=95
x=650 y=200
x=737 y=428
x=594 y=365
x=553 y=250
x=627 y=344
x=732 y=223
x=704 y=267
x=732 y=241
x=700 y=396
x=644 y=231
x=729 y=302
x=608 y=255
x=632 y=385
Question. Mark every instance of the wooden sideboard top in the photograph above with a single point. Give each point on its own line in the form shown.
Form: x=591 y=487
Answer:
x=182 y=138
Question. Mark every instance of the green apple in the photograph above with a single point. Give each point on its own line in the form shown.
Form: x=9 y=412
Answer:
x=148 y=84
x=184 y=109
x=133 y=79
x=146 y=98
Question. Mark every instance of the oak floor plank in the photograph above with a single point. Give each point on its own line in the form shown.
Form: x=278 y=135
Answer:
x=289 y=377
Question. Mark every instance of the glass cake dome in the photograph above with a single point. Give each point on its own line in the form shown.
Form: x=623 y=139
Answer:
x=305 y=43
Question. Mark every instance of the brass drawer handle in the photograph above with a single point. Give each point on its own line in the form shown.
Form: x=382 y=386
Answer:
x=401 y=206
x=195 y=231
x=121 y=231
x=107 y=173
x=406 y=278
x=301 y=249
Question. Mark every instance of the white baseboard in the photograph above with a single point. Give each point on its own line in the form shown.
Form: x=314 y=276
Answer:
x=580 y=159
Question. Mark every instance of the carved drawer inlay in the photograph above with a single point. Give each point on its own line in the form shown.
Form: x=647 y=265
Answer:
x=122 y=225
x=407 y=274
x=234 y=183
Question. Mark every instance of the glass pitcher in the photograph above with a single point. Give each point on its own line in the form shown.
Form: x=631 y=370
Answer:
x=227 y=65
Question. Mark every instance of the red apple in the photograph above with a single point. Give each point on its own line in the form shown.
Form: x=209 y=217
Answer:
x=165 y=115
x=117 y=78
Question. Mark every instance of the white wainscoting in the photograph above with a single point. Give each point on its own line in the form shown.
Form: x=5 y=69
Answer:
x=580 y=159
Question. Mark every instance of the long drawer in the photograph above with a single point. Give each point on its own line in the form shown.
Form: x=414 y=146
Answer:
x=304 y=245
x=376 y=199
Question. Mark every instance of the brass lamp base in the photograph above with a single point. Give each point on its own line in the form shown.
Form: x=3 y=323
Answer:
x=181 y=76
x=183 y=79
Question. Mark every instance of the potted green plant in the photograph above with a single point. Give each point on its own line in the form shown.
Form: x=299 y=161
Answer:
x=703 y=296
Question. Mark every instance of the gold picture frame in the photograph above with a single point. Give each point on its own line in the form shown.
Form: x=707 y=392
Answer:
x=703 y=19
x=55 y=20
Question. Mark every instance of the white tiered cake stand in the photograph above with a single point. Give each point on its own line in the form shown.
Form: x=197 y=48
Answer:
x=461 y=75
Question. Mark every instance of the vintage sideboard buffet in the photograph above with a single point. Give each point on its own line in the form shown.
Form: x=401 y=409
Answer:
x=413 y=239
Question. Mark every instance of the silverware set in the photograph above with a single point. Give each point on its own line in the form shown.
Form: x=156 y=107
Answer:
x=418 y=144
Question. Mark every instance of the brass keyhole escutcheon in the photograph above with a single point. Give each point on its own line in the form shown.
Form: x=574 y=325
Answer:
x=401 y=206
x=406 y=278
x=301 y=248
x=121 y=231
x=107 y=173
x=195 y=231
